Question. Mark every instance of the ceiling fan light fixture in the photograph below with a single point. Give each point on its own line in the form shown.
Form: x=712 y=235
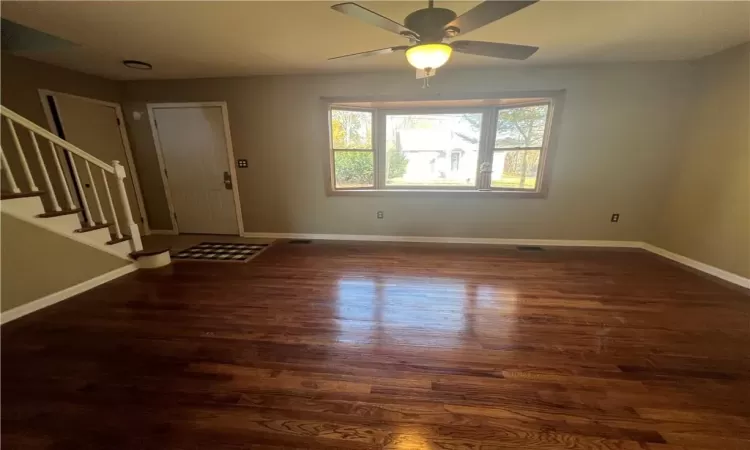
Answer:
x=428 y=56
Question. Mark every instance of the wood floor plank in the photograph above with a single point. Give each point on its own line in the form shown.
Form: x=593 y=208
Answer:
x=387 y=346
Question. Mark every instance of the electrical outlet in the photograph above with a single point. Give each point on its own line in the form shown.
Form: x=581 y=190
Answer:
x=380 y=214
x=615 y=217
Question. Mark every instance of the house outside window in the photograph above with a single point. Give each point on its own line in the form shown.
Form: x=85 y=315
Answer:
x=455 y=160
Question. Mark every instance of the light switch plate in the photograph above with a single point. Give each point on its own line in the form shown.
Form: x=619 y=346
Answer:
x=242 y=163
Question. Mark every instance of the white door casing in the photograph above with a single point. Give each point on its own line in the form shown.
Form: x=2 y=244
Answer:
x=195 y=148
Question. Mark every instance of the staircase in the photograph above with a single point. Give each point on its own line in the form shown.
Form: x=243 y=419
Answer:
x=98 y=218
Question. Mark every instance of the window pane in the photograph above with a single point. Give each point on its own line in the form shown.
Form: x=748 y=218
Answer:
x=432 y=149
x=351 y=129
x=515 y=169
x=521 y=127
x=354 y=169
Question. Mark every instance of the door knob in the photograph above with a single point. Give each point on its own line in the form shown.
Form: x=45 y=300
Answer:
x=227 y=180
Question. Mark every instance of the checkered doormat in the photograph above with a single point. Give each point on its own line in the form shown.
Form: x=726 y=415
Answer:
x=220 y=251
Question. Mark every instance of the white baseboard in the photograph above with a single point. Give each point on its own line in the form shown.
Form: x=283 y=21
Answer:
x=711 y=270
x=447 y=240
x=703 y=267
x=164 y=232
x=59 y=296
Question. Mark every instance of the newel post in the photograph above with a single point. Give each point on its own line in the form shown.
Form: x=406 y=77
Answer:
x=135 y=235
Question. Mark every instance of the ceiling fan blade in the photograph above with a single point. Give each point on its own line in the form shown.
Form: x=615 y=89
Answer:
x=373 y=18
x=486 y=13
x=494 y=49
x=381 y=51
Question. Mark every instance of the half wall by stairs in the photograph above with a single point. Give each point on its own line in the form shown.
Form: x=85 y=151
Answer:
x=38 y=262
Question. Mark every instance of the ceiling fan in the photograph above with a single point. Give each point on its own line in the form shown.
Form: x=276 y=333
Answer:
x=430 y=29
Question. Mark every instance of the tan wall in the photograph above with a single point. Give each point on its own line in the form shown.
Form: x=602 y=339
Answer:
x=706 y=216
x=147 y=166
x=615 y=146
x=22 y=78
x=37 y=262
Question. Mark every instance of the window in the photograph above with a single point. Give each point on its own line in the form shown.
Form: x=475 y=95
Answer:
x=519 y=137
x=420 y=147
x=353 y=154
x=495 y=145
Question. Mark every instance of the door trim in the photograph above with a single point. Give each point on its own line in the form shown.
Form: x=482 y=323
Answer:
x=44 y=93
x=230 y=155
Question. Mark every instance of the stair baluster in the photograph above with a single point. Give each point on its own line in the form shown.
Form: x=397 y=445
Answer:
x=115 y=222
x=84 y=202
x=22 y=157
x=97 y=203
x=135 y=235
x=45 y=175
x=8 y=174
x=63 y=181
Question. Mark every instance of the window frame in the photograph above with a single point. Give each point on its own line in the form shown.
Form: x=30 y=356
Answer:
x=488 y=133
x=540 y=174
x=333 y=150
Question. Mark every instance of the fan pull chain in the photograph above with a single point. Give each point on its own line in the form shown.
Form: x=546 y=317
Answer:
x=426 y=79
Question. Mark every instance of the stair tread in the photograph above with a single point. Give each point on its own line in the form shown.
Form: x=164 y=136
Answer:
x=86 y=228
x=4 y=195
x=149 y=252
x=115 y=240
x=64 y=212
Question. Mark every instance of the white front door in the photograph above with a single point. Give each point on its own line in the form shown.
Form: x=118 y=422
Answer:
x=94 y=127
x=196 y=159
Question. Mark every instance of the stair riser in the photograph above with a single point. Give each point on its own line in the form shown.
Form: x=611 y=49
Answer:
x=66 y=224
x=100 y=236
x=122 y=247
x=27 y=206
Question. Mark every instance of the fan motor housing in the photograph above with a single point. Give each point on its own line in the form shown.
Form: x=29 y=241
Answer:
x=429 y=23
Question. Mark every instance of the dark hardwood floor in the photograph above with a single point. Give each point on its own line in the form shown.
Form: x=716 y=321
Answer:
x=398 y=346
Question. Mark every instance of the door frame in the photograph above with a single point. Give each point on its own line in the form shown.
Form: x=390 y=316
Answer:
x=230 y=155
x=44 y=93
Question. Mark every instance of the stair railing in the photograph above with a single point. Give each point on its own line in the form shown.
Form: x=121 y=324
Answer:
x=69 y=151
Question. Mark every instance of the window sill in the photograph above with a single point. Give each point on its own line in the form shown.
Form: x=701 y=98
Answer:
x=433 y=193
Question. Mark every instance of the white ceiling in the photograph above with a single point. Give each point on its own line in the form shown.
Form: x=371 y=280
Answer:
x=185 y=39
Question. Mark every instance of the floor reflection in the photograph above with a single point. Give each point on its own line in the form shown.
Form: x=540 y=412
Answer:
x=419 y=311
